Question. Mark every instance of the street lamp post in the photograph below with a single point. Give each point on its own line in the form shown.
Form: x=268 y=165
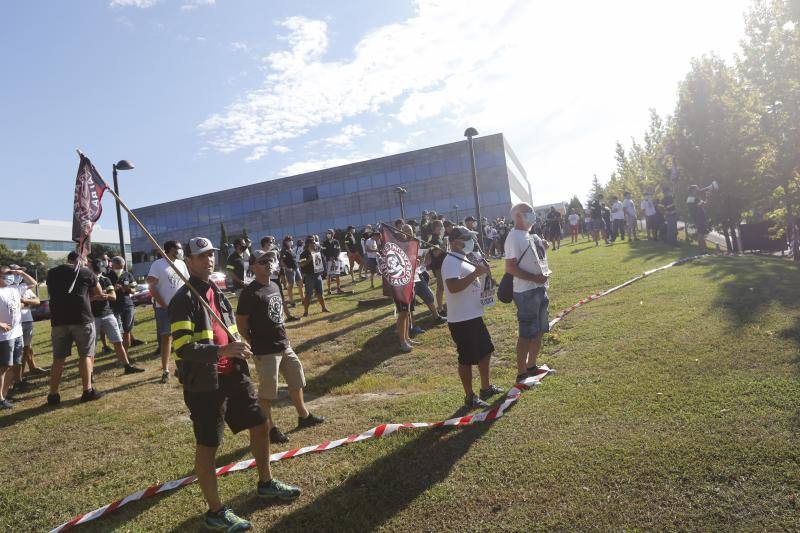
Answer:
x=401 y=192
x=455 y=206
x=121 y=165
x=469 y=134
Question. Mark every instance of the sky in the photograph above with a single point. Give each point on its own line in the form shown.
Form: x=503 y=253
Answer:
x=204 y=95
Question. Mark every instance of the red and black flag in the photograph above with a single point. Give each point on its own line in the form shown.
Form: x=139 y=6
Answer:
x=397 y=263
x=88 y=206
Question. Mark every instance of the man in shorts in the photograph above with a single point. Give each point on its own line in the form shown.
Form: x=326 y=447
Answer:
x=104 y=319
x=216 y=385
x=10 y=333
x=527 y=262
x=260 y=321
x=22 y=282
x=354 y=254
x=465 y=314
x=71 y=322
x=371 y=247
x=164 y=282
x=331 y=249
x=312 y=265
x=124 y=309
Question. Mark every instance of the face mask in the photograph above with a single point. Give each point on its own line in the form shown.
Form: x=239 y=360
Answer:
x=273 y=266
x=469 y=246
x=246 y=254
x=530 y=218
x=289 y=244
x=179 y=255
x=17 y=279
x=103 y=264
x=9 y=279
x=118 y=271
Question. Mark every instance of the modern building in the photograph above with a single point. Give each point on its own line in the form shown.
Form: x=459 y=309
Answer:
x=437 y=178
x=55 y=237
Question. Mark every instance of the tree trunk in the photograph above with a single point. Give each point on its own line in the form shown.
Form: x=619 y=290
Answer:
x=727 y=238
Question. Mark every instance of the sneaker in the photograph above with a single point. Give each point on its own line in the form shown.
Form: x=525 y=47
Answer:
x=53 y=399
x=490 y=391
x=137 y=342
x=522 y=377
x=91 y=395
x=533 y=370
x=226 y=520
x=5 y=404
x=164 y=376
x=130 y=369
x=326 y=310
x=277 y=489
x=473 y=402
x=416 y=330
x=405 y=348
x=276 y=437
x=440 y=319
x=38 y=371
x=292 y=318
x=107 y=350
x=310 y=420
x=414 y=342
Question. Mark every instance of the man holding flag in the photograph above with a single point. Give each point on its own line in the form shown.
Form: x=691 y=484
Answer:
x=398 y=264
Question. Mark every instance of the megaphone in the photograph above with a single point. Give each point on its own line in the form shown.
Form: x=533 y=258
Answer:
x=714 y=187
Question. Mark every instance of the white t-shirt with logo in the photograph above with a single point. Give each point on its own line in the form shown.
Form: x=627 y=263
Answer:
x=573 y=219
x=648 y=207
x=616 y=211
x=517 y=242
x=168 y=280
x=368 y=247
x=27 y=294
x=10 y=312
x=464 y=305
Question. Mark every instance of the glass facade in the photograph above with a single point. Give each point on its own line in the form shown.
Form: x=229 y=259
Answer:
x=357 y=194
x=20 y=245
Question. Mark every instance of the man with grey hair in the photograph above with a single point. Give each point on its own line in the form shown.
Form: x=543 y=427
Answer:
x=526 y=260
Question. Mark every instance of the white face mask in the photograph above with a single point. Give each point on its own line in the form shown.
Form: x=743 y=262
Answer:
x=103 y=264
x=246 y=254
x=273 y=267
x=179 y=255
x=530 y=218
x=118 y=271
x=469 y=246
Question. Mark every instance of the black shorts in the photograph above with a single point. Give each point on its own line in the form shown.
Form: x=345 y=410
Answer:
x=235 y=402
x=472 y=339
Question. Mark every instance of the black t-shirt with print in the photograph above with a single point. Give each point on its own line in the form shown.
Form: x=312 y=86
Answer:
x=287 y=256
x=123 y=300
x=70 y=308
x=101 y=308
x=351 y=243
x=236 y=264
x=263 y=306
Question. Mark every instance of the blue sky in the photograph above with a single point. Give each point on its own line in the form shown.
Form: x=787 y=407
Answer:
x=208 y=94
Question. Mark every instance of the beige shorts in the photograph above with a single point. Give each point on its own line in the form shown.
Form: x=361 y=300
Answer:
x=268 y=366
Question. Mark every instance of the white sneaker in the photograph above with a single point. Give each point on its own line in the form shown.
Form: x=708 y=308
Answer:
x=405 y=348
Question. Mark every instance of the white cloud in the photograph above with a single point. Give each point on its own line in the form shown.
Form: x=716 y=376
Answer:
x=564 y=83
x=194 y=4
x=392 y=147
x=346 y=136
x=239 y=47
x=310 y=165
x=279 y=148
x=133 y=3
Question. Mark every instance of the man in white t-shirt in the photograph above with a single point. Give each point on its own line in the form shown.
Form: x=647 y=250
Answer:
x=574 y=219
x=526 y=260
x=164 y=282
x=617 y=219
x=10 y=332
x=465 y=314
x=649 y=208
x=629 y=209
x=28 y=299
x=371 y=248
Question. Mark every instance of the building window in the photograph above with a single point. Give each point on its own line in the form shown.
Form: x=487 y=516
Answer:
x=310 y=193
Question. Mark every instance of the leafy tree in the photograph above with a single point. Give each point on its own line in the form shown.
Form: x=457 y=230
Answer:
x=99 y=249
x=7 y=256
x=575 y=203
x=223 y=237
x=596 y=189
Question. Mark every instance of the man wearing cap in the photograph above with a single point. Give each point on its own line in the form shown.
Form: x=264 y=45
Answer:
x=260 y=321
x=465 y=314
x=11 y=342
x=70 y=287
x=28 y=299
x=216 y=385
x=526 y=260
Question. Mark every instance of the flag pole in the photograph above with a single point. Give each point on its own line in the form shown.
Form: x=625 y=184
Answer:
x=202 y=300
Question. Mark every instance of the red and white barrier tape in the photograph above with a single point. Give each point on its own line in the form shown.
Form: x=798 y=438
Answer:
x=377 y=432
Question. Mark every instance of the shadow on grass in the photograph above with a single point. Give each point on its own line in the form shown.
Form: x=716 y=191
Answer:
x=118 y=519
x=372 y=353
x=377 y=493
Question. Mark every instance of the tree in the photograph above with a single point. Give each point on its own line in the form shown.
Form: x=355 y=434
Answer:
x=575 y=203
x=717 y=138
x=770 y=66
x=99 y=249
x=223 y=237
x=596 y=189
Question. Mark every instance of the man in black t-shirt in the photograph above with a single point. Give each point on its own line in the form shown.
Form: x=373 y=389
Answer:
x=355 y=253
x=104 y=319
x=259 y=319
x=123 y=307
x=235 y=264
x=70 y=287
x=331 y=249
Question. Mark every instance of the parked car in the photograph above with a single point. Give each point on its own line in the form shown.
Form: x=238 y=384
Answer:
x=41 y=311
x=219 y=279
x=142 y=295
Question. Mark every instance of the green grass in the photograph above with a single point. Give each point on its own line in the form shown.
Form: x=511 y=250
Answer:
x=675 y=406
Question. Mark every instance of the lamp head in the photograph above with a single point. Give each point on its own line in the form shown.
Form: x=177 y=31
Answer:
x=124 y=164
x=470 y=132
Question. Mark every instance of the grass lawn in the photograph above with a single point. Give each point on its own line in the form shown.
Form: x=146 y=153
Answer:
x=675 y=406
